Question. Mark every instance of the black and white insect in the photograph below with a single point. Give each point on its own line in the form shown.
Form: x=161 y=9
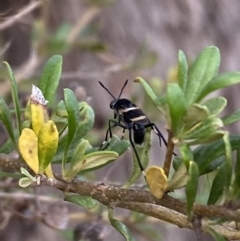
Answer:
x=128 y=116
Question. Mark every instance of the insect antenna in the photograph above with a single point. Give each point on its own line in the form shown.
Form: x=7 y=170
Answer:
x=106 y=90
x=123 y=88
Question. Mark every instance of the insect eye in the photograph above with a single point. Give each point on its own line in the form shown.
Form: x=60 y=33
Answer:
x=112 y=104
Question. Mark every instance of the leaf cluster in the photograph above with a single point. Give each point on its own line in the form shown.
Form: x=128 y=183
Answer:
x=205 y=146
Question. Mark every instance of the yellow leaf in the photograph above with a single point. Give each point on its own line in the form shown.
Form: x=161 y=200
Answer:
x=28 y=146
x=49 y=171
x=157 y=181
x=47 y=144
x=39 y=113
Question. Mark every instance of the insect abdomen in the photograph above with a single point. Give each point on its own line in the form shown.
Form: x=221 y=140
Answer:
x=138 y=133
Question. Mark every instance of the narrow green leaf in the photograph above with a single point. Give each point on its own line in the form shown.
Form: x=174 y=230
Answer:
x=85 y=123
x=177 y=106
x=79 y=152
x=50 y=77
x=191 y=187
x=182 y=70
x=215 y=105
x=6 y=119
x=236 y=182
x=177 y=161
x=205 y=154
x=228 y=162
x=204 y=68
x=82 y=200
x=217 y=186
x=187 y=154
x=15 y=98
x=157 y=101
x=7 y=147
x=219 y=82
x=215 y=235
x=143 y=152
x=229 y=119
x=15 y=175
x=119 y=226
x=213 y=165
x=179 y=178
x=147 y=88
x=72 y=108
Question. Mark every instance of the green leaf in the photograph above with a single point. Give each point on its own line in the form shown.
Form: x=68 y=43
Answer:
x=229 y=119
x=217 y=186
x=215 y=235
x=177 y=161
x=191 y=187
x=206 y=154
x=50 y=77
x=61 y=109
x=6 y=119
x=177 y=106
x=219 y=82
x=236 y=182
x=24 y=182
x=204 y=131
x=119 y=226
x=182 y=70
x=204 y=68
x=228 y=162
x=195 y=114
x=79 y=152
x=147 y=88
x=72 y=108
x=118 y=145
x=84 y=125
x=179 y=178
x=187 y=154
x=82 y=200
x=15 y=98
x=215 y=105
x=27 y=174
x=213 y=165
x=7 y=147
x=150 y=93
x=91 y=162
x=143 y=153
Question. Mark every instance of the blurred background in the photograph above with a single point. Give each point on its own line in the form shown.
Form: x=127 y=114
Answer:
x=110 y=41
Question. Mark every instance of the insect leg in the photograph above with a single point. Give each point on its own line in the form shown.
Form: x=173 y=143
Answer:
x=158 y=132
x=109 y=131
x=160 y=135
x=123 y=133
x=135 y=151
